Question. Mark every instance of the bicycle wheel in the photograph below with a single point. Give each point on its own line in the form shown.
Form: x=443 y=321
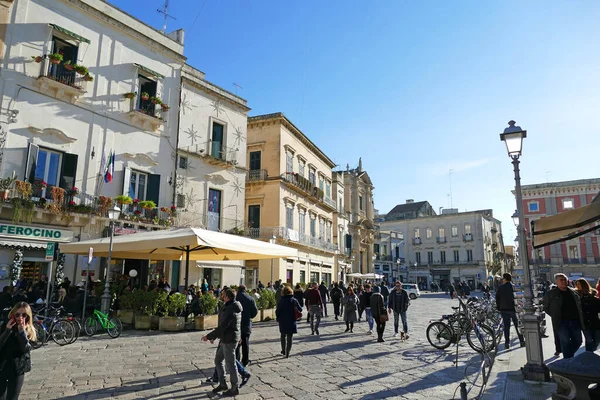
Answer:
x=63 y=332
x=114 y=327
x=439 y=335
x=484 y=334
x=40 y=335
x=90 y=326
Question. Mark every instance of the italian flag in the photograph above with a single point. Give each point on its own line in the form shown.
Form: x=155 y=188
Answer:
x=110 y=168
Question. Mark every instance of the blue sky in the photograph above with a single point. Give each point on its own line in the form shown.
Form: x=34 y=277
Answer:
x=415 y=88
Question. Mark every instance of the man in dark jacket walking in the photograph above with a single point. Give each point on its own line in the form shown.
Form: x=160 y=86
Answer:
x=249 y=311
x=336 y=298
x=398 y=303
x=563 y=305
x=385 y=292
x=228 y=333
x=324 y=296
x=505 y=302
x=314 y=304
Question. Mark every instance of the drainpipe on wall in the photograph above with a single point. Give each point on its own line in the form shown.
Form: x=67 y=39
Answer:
x=174 y=200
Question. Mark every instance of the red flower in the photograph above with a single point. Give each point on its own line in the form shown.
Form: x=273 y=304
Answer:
x=43 y=184
x=135 y=201
x=173 y=208
x=71 y=203
x=138 y=212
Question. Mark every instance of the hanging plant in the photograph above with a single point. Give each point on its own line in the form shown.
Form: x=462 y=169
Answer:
x=17 y=204
x=155 y=100
x=24 y=189
x=145 y=96
x=129 y=95
x=104 y=203
x=147 y=204
x=55 y=58
x=88 y=78
x=68 y=66
x=58 y=195
x=123 y=200
x=165 y=107
x=60 y=269
x=37 y=59
x=28 y=210
x=80 y=69
x=16 y=267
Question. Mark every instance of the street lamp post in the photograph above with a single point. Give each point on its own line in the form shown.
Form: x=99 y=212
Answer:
x=535 y=369
x=272 y=241
x=113 y=214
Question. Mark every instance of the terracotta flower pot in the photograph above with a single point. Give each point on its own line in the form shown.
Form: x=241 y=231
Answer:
x=68 y=67
x=55 y=61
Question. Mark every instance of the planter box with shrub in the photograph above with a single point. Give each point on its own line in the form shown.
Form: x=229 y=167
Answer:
x=208 y=319
x=173 y=307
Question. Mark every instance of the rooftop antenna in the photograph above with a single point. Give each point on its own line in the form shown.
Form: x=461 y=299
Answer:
x=450 y=179
x=237 y=87
x=547 y=173
x=166 y=15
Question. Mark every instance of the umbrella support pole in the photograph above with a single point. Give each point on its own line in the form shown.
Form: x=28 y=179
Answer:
x=187 y=266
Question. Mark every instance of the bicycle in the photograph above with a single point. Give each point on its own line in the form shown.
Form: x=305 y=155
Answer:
x=61 y=330
x=112 y=325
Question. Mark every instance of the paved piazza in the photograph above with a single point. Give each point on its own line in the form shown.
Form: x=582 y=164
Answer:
x=333 y=366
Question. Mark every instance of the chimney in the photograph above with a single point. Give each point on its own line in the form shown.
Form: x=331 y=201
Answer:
x=177 y=35
x=360 y=164
x=410 y=201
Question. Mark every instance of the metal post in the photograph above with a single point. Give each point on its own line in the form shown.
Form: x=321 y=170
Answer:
x=106 y=295
x=187 y=266
x=535 y=369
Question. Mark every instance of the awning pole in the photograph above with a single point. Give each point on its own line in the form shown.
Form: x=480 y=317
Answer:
x=187 y=265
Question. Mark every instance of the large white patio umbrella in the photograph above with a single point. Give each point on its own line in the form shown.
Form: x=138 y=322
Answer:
x=182 y=243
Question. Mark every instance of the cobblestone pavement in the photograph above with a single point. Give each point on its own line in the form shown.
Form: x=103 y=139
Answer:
x=333 y=365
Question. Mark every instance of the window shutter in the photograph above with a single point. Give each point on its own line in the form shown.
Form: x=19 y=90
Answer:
x=153 y=191
x=32 y=156
x=126 y=180
x=68 y=171
x=348 y=241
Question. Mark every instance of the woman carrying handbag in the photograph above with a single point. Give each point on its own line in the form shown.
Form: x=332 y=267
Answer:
x=379 y=311
x=287 y=312
x=15 y=360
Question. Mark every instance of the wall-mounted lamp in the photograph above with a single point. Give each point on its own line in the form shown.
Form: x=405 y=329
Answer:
x=170 y=180
x=12 y=116
x=93 y=152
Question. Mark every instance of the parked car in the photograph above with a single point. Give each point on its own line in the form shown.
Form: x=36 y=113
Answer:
x=412 y=290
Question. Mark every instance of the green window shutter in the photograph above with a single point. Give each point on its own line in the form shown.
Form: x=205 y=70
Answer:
x=68 y=171
x=32 y=156
x=153 y=191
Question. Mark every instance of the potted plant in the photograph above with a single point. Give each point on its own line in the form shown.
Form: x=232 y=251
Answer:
x=5 y=186
x=147 y=204
x=266 y=305
x=172 y=321
x=129 y=95
x=123 y=200
x=149 y=305
x=68 y=66
x=80 y=69
x=209 y=318
x=37 y=59
x=144 y=96
x=155 y=100
x=127 y=307
x=17 y=204
x=88 y=78
x=104 y=203
x=165 y=107
x=55 y=58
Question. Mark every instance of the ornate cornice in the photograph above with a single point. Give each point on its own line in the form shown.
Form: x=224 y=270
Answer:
x=143 y=157
x=53 y=132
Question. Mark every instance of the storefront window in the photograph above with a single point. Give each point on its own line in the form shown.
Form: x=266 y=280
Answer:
x=251 y=276
x=157 y=270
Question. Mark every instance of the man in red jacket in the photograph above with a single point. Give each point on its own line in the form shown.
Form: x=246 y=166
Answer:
x=314 y=304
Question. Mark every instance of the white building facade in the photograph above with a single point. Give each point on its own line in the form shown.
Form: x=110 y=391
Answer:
x=451 y=247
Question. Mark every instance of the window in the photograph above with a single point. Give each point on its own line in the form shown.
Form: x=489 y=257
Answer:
x=289 y=162
x=302 y=222
x=428 y=233
x=311 y=176
x=289 y=217
x=47 y=169
x=289 y=276
x=430 y=257
x=321 y=183
x=567 y=204
x=313 y=227
x=469 y=255
x=214 y=209
x=69 y=53
x=255 y=160
x=533 y=206
x=180 y=200
x=456 y=256
x=254 y=218
x=301 y=166
x=328 y=232
x=302 y=276
x=384 y=251
x=360 y=203
x=149 y=87
x=328 y=189
x=341 y=206
x=321 y=229
x=418 y=257
x=454 y=231
x=443 y=257
x=468 y=229
x=573 y=252
x=138 y=185
x=441 y=232
x=217 y=143
x=417 y=234
x=314 y=276
x=183 y=162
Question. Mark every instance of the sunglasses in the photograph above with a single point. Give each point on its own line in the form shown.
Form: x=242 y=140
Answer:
x=19 y=315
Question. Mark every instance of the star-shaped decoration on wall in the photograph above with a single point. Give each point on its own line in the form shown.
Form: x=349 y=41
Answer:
x=238 y=134
x=217 y=106
x=238 y=187
x=181 y=181
x=193 y=134
x=186 y=104
x=191 y=199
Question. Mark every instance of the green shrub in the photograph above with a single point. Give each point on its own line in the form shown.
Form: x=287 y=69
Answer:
x=175 y=304
x=208 y=304
x=128 y=301
x=161 y=304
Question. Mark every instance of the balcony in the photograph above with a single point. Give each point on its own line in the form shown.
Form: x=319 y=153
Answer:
x=256 y=175
x=305 y=187
x=416 y=241
x=574 y=260
x=468 y=237
x=60 y=82
x=384 y=258
x=441 y=239
x=291 y=236
x=220 y=157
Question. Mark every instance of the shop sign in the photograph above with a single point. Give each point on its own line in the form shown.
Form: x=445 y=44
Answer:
x=35 y=232
x=50 y=251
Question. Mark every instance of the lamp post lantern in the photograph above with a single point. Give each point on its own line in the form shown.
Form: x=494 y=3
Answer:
x=535 y=369
x=113 y=214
